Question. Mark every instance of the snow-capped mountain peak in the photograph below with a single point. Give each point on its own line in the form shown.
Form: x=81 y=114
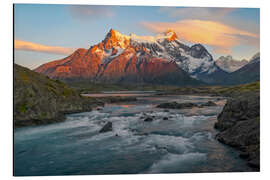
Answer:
x=136 y=55
x=166 y=45
x=255 y=58
x=116 y=39
x=229 y=64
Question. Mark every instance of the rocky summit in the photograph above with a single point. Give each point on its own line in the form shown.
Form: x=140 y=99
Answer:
x=160 y=59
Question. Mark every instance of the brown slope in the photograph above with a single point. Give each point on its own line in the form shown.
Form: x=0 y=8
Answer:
x=63 y=67
x=119 y=67
x=160 y=71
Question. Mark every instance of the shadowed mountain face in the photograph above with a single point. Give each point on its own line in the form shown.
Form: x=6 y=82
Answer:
x=246 y=74
x=229 y=64
x=160 y=59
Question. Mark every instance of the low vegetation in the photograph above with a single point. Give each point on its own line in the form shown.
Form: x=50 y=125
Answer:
x=219 y=90
x=39 y=99
x=88 y=87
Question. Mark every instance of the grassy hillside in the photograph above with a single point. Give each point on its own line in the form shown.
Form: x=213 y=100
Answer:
x=39 y=99
x=219 y=90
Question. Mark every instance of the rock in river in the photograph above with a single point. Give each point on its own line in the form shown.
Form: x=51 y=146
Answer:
x=209 y=103
x=107 y=127
x=148 y=119
x=175 y=105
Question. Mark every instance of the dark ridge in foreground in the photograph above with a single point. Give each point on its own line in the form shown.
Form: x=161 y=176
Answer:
x=239 y=123
x=41 y=100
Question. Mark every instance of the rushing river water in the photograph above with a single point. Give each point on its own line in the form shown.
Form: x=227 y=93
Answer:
x=183 y=143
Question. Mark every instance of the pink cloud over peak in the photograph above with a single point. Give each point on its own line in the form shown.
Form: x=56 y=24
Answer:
x=218 y=35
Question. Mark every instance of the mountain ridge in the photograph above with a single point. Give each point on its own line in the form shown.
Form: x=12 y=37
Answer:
x=122 y=58
x=246 y=74
x=228 y=64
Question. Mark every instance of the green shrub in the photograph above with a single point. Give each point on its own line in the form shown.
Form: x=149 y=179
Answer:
x=23 y=108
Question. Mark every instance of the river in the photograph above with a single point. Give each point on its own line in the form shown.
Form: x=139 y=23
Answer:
x=184 y=143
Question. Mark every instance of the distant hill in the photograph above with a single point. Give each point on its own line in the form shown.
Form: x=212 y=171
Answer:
x=229 y=64
x=248 y=73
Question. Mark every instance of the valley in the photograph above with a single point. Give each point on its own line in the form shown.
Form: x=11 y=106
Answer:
x=170 y=136
x=115 y=89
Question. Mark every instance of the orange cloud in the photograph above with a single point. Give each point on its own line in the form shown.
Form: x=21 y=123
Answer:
x=220 y=36
x=29 y=46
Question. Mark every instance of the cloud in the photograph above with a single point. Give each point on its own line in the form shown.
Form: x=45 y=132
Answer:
x=201 y=13
x=218 y=35
x=90 y=12
x=29 y=46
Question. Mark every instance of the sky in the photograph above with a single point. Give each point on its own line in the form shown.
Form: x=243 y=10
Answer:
x=44 y=32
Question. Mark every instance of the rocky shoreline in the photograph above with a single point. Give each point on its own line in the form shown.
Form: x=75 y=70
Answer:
x=239 y=126
x=239 y=121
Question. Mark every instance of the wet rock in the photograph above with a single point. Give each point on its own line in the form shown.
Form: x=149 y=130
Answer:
x=166 y=110
x=239 y=109
x=175 y=105
x=209 y=103
x=239 y=123
x=117 y=99
x=133 y=130
x=160 y=94
x=255 y=163
x=141 y=134
x=107 y=127
x=165 y=118
x=161 y=147
x=244 y=155
x=148 y=119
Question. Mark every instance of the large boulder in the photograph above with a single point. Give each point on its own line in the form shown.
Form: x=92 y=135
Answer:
x=239 y=109
x=239 y=123
x=148 y=119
